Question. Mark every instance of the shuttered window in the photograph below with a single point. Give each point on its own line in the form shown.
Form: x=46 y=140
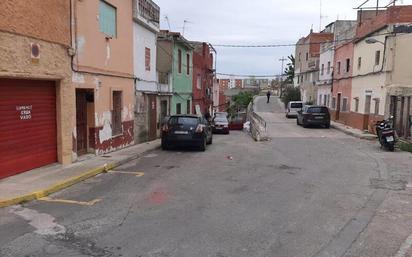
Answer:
x=147 y=59
x=108 y=19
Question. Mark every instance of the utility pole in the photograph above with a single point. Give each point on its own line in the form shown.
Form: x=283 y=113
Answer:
x=283 y=59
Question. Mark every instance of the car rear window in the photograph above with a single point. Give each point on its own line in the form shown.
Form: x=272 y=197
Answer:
x=296 y=105
x=318 y=110
x=183 y=121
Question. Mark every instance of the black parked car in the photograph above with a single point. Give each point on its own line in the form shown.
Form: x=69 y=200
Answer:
x=186 y=131
x=314 y=115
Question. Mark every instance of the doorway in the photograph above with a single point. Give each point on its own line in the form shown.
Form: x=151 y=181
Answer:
x=152 y=117
x=84 y=97
x=338 y=106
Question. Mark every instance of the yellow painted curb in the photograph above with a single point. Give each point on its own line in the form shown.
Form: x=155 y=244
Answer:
x=56 y=187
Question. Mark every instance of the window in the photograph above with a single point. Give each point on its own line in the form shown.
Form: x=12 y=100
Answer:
x=147 y=58
x=328 y=68
x=377 y=101
x=179 y=60
x=347 y=65
x=356 y=104
x=188 y=107
x=322 y=69
x=179 y=108
x=188 y=64
x=324 y=100
x=368 y=104
x=298 y=79
x=117 y=113
x=338 y=68
x=345 y=104
x=333 y=102
x=359 y=63
x=107 y=19
x=199 y=82
x=377 y=57
x=320 y=100
x=307 y=56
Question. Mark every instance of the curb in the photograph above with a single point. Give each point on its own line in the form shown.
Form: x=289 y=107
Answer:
x=370 y=138
x=71 y=181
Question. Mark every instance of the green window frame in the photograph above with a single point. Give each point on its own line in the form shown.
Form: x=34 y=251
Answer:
x=108 y=19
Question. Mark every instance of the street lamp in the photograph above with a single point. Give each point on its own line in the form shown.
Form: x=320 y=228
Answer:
x=372 y=40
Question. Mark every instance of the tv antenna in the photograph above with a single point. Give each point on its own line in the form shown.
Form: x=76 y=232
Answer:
x=168 y=22
x=321 y=16
x=184 y=26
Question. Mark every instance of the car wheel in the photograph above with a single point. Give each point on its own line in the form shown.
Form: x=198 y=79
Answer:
x=304 y=124
x=203 y=145
x=210 y=141
x=165 y=147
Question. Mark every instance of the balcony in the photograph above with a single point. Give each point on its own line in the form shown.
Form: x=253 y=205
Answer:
x=164 y=85
x=147 y=13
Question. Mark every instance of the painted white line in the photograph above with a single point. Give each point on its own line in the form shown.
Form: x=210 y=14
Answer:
x=405 y=247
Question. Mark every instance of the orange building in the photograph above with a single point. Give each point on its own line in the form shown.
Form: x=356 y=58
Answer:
x=103 y=75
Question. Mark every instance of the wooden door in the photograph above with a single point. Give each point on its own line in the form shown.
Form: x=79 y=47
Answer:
x=152 y=117
x=81 y=122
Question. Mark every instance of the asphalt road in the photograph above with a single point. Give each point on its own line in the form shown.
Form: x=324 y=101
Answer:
x=304 y=193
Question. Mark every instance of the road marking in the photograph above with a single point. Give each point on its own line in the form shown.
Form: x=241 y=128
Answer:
x=405 y=247
x=89 y=203
x=137 y=174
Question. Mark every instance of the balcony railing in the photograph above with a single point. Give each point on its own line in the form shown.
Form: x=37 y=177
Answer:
x=148 y=10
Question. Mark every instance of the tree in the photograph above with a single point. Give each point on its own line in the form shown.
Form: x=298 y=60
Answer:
x=290 y=70
x=291 y=94
x=240 y=102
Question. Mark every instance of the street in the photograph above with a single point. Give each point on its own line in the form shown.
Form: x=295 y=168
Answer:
x=305 y=192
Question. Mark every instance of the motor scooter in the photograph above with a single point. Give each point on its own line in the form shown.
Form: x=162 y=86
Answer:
x=386 y=134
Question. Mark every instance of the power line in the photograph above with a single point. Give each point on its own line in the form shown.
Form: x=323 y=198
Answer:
x=297 y=44
x=249 y=75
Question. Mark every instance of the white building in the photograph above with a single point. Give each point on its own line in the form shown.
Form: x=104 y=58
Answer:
x=151 y=104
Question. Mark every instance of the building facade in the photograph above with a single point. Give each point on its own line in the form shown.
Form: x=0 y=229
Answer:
x=176 y=55
x=103 y=76
x=382 y=83
x=307 y=56
x=223 y=86
x=203 y=77
x=36 y=95
x=342 y=30
x=342 y=83
x=151 y=102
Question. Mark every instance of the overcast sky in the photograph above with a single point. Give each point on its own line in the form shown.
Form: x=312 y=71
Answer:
x=253 y=22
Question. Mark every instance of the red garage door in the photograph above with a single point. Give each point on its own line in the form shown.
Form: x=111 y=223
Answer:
x=28 y=137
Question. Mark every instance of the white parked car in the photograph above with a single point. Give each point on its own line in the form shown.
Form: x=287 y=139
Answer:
x=293 y=108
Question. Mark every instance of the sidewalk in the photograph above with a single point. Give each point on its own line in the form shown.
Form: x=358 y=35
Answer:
x=44 y=181
x=352 y=131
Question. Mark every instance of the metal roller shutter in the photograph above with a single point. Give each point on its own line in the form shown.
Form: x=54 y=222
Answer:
x=28 y=136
